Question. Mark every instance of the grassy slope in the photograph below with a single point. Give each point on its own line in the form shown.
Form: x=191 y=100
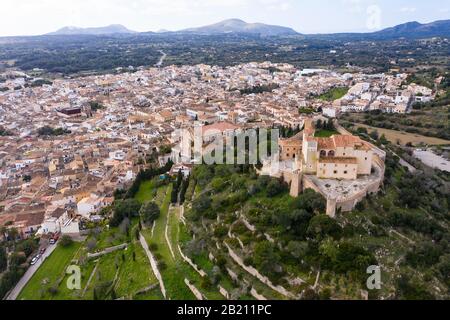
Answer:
x=176 y=289
x=405 y=137
x=334 y=94
x=51 y=271
x=325 y=133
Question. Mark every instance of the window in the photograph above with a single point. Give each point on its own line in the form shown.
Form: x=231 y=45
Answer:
x=345 y=172
x=335 y=171
x=331 y=153
x=323 y=153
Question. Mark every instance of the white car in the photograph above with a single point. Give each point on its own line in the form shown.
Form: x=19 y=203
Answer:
x=35 y=260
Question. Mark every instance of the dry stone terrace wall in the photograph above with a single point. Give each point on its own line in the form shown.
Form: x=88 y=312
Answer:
x=257 y=296
x=154 y=265
x=106 y=251
x=194 y=290
x=258 y=275
x=192 y=264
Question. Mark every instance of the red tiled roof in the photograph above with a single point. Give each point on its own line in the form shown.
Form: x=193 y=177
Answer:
x=219 y=127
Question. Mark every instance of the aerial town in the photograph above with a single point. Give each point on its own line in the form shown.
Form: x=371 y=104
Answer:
x=76 y=141
x=256 y=152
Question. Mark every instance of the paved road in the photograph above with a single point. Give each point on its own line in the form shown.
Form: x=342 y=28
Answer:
x=29 y=274
x=161 y=60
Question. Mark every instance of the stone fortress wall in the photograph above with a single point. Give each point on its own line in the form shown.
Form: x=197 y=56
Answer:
x=299 y=182
x=349 y=203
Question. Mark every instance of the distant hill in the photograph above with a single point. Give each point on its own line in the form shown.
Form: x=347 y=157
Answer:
x=409 y=30
x=112 y=29
x=239 y=26
x=416 y=30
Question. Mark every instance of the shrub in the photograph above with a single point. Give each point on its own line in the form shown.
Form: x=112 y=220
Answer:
x=150 y=212
x=66 y=241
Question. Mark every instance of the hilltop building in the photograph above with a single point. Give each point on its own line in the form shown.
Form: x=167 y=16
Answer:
x=343 y=167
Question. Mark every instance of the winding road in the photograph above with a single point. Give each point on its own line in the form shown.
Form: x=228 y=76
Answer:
x=161 y=60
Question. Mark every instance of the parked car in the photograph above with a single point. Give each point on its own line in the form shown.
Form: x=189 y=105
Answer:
x=42 y=251
x=35 y=260
x=54 y=238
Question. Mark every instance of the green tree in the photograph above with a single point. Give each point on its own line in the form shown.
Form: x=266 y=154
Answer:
x=297 y=249
x=274 y=188
x=374 y=135
x=128 y=208
x=201 y=204
x=3 y=259
x=409 y=288
x=27 y=246
x=267 y=259
x=150 y=212
x=322 y=226
x=65 y=241
x=444 y=267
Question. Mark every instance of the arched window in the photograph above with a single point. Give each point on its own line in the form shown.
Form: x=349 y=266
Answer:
x=331 y=153
x=323 y=153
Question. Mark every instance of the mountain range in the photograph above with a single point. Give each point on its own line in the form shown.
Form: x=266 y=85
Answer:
x=416 y=29
x=111 y=29
x=407 y=30
x=239 y=26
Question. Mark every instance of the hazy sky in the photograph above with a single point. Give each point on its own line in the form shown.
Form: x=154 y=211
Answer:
x=31 y=17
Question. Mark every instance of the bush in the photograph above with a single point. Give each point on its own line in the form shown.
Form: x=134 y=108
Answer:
x=150 y=212
x=3 y=259
x=66 y=241
x=322 y=226
x=201 y=204
x=18 y=258
x=162 y=265
x=128 y=208
x=274 y=188
x=9 y=279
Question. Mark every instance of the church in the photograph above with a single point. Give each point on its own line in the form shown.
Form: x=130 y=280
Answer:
x=338 y=157
x=343 y=167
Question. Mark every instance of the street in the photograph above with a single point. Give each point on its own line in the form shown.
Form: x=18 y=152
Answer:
x=29 y=274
